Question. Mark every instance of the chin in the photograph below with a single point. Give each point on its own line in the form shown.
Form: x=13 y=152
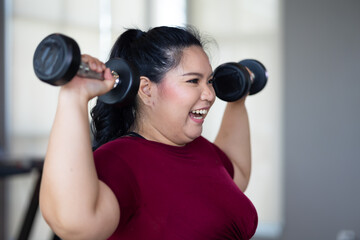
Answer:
x=194 y=134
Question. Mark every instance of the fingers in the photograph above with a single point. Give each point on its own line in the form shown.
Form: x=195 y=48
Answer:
x=94 y=63
x=94 y=87
x=109 y=78
x=252 y=75
x=98 y=66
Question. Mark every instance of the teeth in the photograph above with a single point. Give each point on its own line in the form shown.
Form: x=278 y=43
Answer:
x=203 y=111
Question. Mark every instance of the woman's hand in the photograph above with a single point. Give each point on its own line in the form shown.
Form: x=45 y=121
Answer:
x=87 y=88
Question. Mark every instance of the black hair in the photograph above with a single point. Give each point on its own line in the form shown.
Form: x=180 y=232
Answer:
x=153 y=53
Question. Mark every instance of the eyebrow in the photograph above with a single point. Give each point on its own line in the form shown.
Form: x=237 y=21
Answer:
x=196 y=74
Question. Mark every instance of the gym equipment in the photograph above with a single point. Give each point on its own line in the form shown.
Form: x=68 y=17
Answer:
x=57 y=59
x=233 y=81
x=10 y=167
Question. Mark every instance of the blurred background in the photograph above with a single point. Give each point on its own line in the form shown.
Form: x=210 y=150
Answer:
x=305 y=123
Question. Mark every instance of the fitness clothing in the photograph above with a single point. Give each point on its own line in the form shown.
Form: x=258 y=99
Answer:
x=174 y=193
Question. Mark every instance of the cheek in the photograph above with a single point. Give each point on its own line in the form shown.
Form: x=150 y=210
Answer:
x=174 y=95
x=175 y=102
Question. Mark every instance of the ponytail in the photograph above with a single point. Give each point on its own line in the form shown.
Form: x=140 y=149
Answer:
x=111 y=121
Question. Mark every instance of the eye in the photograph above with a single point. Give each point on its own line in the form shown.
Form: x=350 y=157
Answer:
x=195 y=80
x=211 y=81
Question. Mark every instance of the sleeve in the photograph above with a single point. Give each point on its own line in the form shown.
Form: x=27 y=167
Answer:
x=225 y=161
x=118 y=176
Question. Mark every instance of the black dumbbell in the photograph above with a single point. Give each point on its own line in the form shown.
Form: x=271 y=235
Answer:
x=233 y=81
x=57 y=59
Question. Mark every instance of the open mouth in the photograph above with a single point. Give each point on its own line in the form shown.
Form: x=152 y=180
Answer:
x=199 y=114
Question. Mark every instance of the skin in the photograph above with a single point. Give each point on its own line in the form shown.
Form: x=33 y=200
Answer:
x=69 y=173
x=74 y=202
x=234 y=139
x=166 y=114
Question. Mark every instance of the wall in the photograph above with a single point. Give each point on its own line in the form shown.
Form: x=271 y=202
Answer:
x=322 y=116
x=2 y=77
x=2 y=112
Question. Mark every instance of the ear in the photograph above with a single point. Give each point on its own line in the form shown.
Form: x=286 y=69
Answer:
x=146 y=89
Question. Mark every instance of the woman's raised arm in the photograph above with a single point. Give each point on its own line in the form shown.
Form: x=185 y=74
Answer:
x=234 y=139
x=73 y=201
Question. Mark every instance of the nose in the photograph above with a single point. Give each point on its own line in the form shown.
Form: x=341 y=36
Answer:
x=208 y=93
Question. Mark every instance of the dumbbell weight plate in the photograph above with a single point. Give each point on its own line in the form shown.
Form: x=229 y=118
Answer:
x=260 y=73
x=231 y=81
x=56 y=59
x=128 y=86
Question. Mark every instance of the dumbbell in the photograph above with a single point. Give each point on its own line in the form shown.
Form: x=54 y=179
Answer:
x=57 y=59
x=233 y=81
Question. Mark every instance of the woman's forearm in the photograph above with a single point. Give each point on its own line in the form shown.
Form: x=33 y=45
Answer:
x=234 y=139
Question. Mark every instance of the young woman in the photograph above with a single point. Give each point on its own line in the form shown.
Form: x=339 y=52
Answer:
x=152 y=175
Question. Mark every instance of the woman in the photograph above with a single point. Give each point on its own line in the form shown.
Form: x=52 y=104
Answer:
x=152 y=175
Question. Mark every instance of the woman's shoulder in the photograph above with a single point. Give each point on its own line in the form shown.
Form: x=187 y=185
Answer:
x=124 y=142
x=202 y=142
x=116 y=150
x=215 y=151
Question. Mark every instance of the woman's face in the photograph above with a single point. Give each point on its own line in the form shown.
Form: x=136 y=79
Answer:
x=183 y=98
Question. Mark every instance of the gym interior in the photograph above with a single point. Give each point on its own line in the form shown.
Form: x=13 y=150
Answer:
x=304 y=124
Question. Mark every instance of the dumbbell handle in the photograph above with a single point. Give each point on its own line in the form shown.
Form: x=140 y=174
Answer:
x=85 y=72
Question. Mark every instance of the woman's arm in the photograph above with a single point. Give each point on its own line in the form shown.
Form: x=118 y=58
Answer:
x=72 y=199
x=234 y=139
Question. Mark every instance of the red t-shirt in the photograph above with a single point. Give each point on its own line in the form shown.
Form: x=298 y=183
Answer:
x=171 y=193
